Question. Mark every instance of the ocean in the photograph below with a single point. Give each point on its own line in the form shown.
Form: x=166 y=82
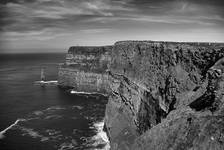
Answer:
x=46 y=118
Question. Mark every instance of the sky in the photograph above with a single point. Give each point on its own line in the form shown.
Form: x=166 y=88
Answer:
x=55 y=25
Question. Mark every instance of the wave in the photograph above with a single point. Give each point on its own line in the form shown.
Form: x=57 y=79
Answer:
x=77 y=107
x=55 y=108
x=67 y=145
x=100 y=138
x=38 y=113
x=86 y=93
x=53 y=117
x=56 y=135
x=52 y=83
x=9 y=127
x=33 y=134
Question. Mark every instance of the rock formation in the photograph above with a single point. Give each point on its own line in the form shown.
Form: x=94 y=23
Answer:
x=166 y=95
x=85 y=69
x=162 y=95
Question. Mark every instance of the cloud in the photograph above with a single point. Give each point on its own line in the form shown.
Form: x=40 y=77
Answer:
x=90 y=31
x=53 y=19
x=21 y=15
x=42 y=35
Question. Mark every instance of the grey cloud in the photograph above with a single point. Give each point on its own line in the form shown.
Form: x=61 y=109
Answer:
x=24 y=15
x=54 y=18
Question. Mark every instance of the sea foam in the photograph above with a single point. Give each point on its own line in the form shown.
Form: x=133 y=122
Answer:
x=86 y=93
x=9 y=127
x=101 y=137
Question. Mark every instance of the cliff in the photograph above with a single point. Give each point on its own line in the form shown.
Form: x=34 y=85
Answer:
x=85 y=69
x=166 y=95
x=162 y=95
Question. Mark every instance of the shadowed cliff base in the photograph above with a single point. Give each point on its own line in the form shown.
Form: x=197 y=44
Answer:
x=162 y=95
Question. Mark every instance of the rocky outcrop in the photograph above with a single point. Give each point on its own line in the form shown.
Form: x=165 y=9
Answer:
x=198 y=125
x=85 y=69
x=166 y=95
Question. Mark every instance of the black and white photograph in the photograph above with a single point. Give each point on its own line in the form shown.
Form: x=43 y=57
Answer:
x=111 y=75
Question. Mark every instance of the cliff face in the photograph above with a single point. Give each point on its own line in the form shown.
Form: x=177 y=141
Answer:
x=85 y=69
x=162 y=95
x=166 y=96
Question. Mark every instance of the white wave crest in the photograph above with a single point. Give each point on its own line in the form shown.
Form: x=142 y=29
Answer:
x=77 y=107
x=101 y=137
x=51 y=83
x=55 y=108
x=38 y=113
x=9 y=127
x=86 y=93
x=77 y=92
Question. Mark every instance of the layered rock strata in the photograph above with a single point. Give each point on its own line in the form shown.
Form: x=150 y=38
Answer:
x=85 y=69
x=166 y=95
x=162 y=95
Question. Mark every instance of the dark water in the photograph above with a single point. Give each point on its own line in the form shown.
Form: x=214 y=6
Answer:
x=45 y=118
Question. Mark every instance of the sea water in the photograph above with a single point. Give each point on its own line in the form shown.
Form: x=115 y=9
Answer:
x=46 y=118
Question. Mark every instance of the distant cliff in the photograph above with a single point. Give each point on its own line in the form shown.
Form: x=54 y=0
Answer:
x=85 y=69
